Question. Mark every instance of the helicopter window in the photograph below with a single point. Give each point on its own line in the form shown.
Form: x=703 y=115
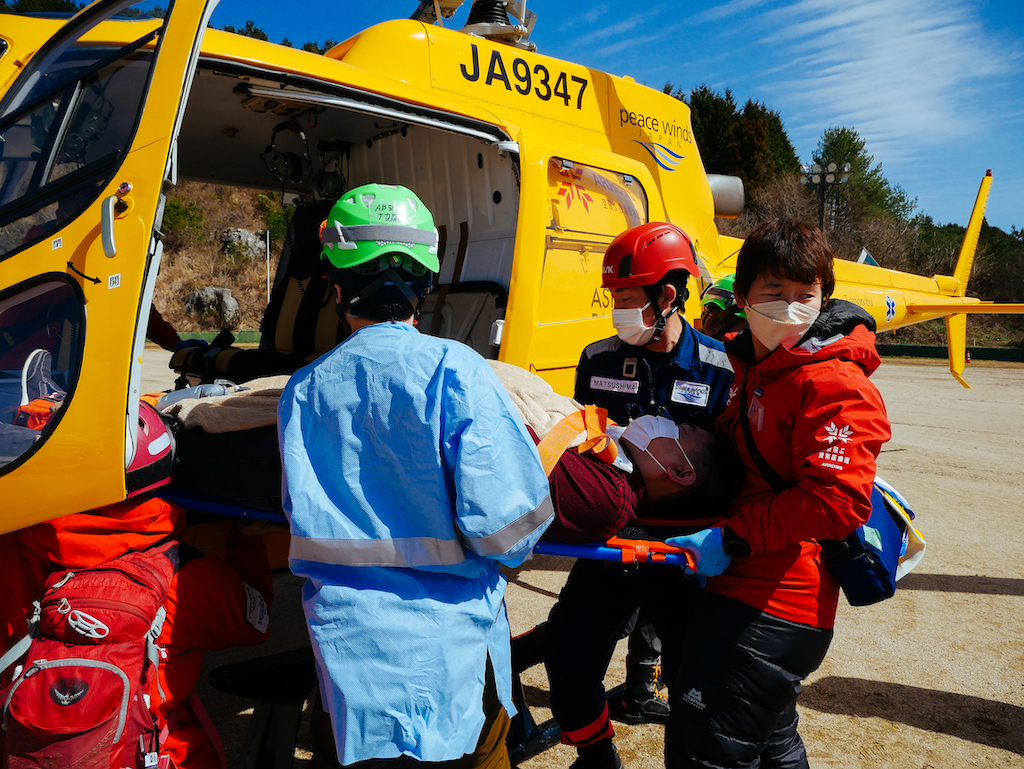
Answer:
x=40 y=347
x=589 y=206
x=74 y=125
x=593 y=201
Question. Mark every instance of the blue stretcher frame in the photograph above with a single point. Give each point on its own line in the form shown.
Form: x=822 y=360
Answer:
x=598 y=551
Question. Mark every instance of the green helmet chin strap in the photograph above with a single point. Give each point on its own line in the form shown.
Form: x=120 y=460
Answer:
x=390 y=275
x=395 y=270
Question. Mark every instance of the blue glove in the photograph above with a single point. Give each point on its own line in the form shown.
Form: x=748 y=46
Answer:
x=191 y=343
x=706 y=548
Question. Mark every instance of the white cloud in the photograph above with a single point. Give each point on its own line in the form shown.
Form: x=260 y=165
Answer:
x=896 y=71
x=628 y=44
x=624 y=26
x=595 y=13
x=730 y=9
x=926 y=83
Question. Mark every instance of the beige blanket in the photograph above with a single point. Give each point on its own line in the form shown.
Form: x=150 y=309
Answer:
x=243 y=410
x=538 y=404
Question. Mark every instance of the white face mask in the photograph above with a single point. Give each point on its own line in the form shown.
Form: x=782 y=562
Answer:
x=630 y=327
x=779 y=322
x=641 y=431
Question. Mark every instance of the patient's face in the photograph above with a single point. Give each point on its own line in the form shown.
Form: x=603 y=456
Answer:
x=692 y=440
x=667 y=496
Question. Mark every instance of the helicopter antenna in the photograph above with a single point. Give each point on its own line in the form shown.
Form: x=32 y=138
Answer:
x=490 y=19
x=432 y=11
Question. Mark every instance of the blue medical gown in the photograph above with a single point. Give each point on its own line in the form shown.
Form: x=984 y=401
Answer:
x=408 y=477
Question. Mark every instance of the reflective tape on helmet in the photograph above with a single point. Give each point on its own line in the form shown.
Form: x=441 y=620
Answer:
x=346 y=238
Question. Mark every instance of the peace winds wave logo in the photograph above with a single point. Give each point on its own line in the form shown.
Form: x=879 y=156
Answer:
x=662 y=155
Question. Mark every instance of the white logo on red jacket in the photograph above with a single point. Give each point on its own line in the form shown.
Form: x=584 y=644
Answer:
x=834 y=457
x=841 y=434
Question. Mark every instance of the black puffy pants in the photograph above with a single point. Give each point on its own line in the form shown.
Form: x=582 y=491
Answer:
x=734 y=700
x=591 y=615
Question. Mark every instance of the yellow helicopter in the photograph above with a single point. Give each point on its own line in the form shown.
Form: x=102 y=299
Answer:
x=530 y=165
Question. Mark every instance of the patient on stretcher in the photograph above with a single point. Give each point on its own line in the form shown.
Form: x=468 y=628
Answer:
x=681 y=476
x=670 y=475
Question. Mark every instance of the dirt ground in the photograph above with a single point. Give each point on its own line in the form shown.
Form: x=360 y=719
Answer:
x=930 y=678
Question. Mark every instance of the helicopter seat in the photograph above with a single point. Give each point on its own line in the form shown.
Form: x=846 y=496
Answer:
x=465 y=312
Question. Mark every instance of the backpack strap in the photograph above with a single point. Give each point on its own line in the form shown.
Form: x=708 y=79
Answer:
x=199 y=711
x=594 y=421
x=19 y=649
x=152 y=652
x=15 y=653
x=205 y=722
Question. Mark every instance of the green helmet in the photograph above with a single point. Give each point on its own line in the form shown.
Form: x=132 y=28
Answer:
x=720 y=294
x=377 y=226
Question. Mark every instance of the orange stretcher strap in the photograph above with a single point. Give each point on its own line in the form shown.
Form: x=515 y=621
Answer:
x=654 y=551
x=591 y=419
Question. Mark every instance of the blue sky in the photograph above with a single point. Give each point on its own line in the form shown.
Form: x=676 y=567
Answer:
x=935 y=87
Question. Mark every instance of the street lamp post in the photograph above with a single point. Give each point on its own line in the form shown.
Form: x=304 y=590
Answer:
x=824 y=179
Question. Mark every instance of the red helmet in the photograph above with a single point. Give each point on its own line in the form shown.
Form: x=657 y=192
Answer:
x=643 y=255
x=154 y=453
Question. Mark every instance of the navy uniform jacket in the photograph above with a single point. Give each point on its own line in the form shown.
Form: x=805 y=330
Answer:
x=689 y=384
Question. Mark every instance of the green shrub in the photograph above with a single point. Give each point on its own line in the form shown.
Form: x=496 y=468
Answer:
x=183 y=224
x=276 y=217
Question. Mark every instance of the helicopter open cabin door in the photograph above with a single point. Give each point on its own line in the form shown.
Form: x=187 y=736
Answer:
x=87 y=133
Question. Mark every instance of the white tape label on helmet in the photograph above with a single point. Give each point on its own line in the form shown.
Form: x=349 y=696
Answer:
x=161 y=443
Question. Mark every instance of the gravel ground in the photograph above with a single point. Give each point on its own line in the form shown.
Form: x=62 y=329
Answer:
x=930 y=678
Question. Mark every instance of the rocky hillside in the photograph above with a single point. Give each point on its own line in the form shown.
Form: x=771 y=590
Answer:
x=215 y=236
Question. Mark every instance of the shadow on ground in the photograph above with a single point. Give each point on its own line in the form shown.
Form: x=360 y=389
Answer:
x=978 y=584
x=986 y=722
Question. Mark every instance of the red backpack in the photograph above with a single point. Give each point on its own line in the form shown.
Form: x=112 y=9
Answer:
x=81 y=698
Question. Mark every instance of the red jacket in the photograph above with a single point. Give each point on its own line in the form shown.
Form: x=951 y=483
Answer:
x=81 y=540
x=211 y=604
x=819 y=423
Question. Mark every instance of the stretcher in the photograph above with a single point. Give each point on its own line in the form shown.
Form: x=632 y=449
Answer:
x=620 y=549
x=626 y=549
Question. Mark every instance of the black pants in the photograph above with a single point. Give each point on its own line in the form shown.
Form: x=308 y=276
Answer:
x=734 y=700
x=644 y=644
x=590 y=617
